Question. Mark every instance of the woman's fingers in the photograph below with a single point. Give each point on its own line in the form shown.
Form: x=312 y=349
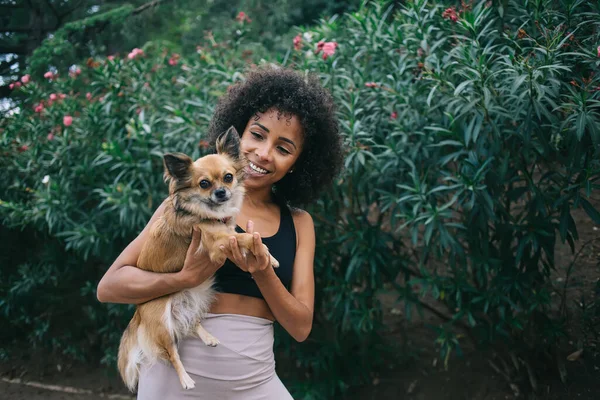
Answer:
x=250 y=227
x=259 y=249
x=195 y=244
x=262 y=255
x=227 y=251
x=235 y=251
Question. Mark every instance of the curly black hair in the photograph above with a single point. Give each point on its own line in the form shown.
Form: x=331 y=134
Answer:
x=289 y=92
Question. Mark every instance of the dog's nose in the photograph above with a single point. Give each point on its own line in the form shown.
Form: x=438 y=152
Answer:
x=220 y=194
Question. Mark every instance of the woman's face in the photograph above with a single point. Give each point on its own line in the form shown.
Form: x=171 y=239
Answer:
x=271 y=142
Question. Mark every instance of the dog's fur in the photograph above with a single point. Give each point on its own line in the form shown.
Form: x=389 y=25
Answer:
x=157 y=325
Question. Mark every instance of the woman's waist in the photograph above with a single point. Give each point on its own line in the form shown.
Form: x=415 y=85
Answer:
x=231 y=303
x=245 y=351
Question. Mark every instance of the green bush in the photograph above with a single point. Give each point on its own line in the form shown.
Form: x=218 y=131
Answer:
x=472 y=134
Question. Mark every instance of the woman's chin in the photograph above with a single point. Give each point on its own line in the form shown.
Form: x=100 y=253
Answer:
x=256 y=182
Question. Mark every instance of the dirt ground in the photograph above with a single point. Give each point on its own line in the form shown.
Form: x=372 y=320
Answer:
x=470 y=377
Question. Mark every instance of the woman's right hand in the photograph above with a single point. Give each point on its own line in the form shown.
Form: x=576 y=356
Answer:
x=197 y=266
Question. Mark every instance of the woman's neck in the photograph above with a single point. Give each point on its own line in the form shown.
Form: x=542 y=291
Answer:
x=259 y=198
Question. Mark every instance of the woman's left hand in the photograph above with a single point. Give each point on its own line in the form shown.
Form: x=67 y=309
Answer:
x=254 y=261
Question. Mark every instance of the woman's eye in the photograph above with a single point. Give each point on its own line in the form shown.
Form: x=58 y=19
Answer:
x=204 y=184
x=228 y=178
x=256 y=135
x=284 y=150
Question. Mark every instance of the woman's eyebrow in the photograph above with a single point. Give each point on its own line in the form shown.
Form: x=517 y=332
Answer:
x=261 y=126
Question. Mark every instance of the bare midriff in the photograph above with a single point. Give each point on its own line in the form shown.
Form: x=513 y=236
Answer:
x=230 y=303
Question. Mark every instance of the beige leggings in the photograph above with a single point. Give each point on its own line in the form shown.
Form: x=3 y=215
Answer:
x=241 y=367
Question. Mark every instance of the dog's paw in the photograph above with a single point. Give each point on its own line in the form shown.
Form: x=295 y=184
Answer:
x=274 y=262
x=210 y=340
x=206 y=337
x=187 y=382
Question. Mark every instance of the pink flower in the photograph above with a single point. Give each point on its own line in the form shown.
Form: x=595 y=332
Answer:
x=53 y=97
x=450 y=13
x=134 y=53
x=62 y=96
x=88 y=96
x=17 y=84
x=23 y=148
x=371 y=84
x=298 y=42
x=38 y=108
x=174 y=59
x=75 y=73
x=394 y=115
x=329 y=49
x=67 y=120
x=242 y=17
x=25 y=79
x=51 y=136
x=49 y=75
x=11 y=86
x=110 y=58
x=598 y=51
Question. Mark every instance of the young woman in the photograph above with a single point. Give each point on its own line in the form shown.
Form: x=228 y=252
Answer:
x=290 y=138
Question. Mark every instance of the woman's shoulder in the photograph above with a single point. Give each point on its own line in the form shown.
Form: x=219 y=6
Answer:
x=302 y=219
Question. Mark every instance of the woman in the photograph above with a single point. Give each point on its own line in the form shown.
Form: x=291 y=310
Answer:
x=289 y=135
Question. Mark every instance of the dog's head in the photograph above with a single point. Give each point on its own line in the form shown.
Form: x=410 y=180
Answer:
x=210 y=187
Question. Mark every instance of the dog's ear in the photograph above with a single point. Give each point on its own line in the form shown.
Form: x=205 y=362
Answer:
x=228 y=143
x=177 y=166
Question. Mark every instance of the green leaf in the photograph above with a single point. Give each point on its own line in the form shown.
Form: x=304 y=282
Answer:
x=590 y=210
x=581 y=121
x=430 y=96
x=461 y=87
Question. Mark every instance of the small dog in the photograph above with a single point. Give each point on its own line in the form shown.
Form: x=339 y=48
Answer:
x=206 y=194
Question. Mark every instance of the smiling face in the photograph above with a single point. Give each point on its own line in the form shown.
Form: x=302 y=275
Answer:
x=271 y=143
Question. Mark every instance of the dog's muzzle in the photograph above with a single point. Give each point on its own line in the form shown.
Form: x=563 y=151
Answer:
x=220 y=195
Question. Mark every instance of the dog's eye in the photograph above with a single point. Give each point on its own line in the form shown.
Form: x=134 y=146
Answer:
x=204 y=184
x=228 y=178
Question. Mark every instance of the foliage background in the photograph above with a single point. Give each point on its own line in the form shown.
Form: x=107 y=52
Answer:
x=471 y=132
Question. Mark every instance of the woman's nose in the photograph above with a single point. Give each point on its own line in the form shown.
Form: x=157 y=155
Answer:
x=264 y=153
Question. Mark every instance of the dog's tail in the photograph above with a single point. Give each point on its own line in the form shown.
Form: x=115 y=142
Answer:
x=130 y=354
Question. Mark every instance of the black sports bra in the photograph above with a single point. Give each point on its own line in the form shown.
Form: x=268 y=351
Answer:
x=282 y=245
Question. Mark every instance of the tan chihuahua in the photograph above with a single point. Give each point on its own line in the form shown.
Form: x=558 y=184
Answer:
x=206 y=194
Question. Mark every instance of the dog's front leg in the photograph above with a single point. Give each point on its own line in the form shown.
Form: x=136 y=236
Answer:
x=246 y=245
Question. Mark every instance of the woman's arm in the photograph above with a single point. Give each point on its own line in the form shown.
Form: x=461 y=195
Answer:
x=123 y=282
x=293 y=309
